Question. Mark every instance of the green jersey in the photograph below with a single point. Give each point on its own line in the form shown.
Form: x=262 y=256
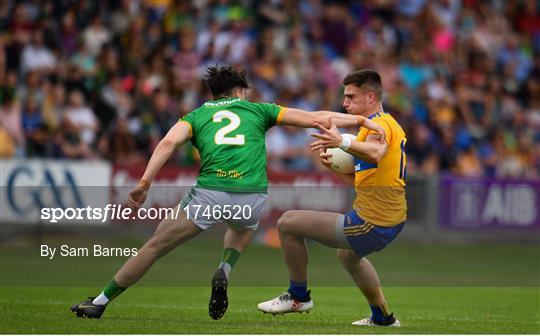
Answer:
x=230 y=136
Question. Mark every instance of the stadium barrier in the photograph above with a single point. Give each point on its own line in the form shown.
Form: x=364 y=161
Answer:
x=439 y=208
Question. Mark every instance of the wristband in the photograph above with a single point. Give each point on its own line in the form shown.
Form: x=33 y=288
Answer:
x=145 y=184
x=345 y=144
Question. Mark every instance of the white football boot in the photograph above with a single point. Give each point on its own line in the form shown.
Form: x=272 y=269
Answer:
x=285 y=303
x=368 y=322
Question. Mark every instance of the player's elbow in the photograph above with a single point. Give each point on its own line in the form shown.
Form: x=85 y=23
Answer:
x=377 y=153
x=376 y=156
x=373 y=156
x=167 y=144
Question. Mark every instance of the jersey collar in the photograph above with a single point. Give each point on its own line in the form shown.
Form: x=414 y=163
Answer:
x=376 y=114
x=221 y=101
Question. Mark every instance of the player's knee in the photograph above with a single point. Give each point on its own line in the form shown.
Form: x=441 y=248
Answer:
x=348 y=258
x=286 y=220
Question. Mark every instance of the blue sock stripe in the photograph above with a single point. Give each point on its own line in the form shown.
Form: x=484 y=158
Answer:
x=298 y=283
x=377 y=313
x=298 y=289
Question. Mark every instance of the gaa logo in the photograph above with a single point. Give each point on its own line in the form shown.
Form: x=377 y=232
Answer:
x=29 y=190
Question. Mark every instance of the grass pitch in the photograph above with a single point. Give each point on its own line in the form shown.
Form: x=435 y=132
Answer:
x=431 y=289
x=181 y=310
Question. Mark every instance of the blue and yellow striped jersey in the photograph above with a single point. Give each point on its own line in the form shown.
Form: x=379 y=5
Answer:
x=380 y=188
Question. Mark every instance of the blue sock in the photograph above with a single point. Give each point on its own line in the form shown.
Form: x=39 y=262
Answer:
x=298 y=289
x=379 y=314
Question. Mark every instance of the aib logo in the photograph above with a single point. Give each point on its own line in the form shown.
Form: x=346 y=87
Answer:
x=45 y=190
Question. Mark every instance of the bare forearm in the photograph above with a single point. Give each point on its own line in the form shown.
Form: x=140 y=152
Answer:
x=340 y=119
x=365 y=151
x=161 y=154
x=344 y=120
x=301 y=118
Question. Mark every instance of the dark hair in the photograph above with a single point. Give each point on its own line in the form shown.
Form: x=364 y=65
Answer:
x=366 y=78
x=222 y=80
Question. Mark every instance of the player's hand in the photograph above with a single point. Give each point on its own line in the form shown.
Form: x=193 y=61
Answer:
x=377 y=128
x=137 y=196
x=328 y=138
x=324 y=158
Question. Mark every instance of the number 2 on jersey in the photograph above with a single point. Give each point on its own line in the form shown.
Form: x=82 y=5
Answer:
x=221 y=135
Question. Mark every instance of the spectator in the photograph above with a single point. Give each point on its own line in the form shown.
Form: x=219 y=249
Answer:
x=11 y=130
x=81 y=118
x=20 y=24
x=95 y=36
x=53 y=105
x=68 y=143
x=121 y=145
x=84 y=61
x=35 y=130
x=186 y=61
x=115 y=96
x=423 y=157
x=68 y=34
x=288 y=149
x=36 y=56
x=468 y=164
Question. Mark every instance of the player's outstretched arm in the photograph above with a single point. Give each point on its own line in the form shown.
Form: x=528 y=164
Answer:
x=370 y=150
x=177 y=135
x=301 y=118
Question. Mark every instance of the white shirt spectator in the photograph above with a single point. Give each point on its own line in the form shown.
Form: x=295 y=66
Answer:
x=231 y=46
x=37 y=57
x=95 y=37
x=83 y=117
x=446 y=11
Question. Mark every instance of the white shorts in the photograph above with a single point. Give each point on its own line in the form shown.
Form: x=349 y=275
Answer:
x=240 y=211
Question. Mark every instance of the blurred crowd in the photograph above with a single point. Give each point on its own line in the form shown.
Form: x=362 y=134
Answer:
x=85 y=79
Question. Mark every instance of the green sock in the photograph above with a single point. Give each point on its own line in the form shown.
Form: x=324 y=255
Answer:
x=112 y=290
x=230 y=257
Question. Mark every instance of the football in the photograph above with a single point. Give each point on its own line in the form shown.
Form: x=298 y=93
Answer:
x=342 y=162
